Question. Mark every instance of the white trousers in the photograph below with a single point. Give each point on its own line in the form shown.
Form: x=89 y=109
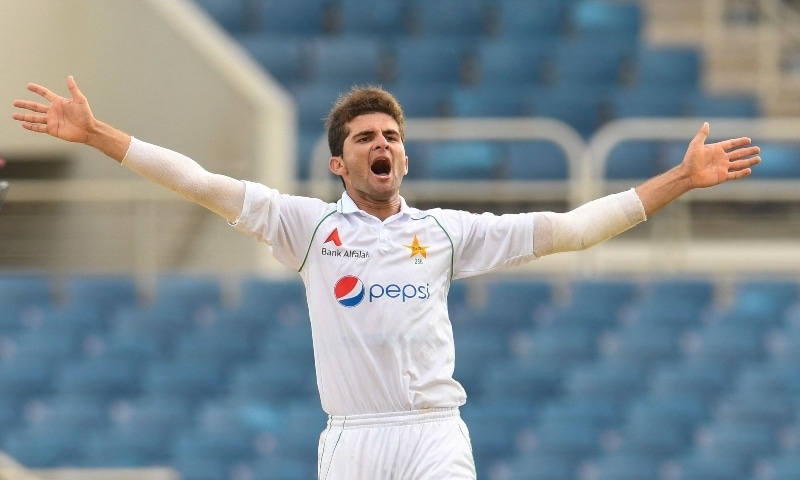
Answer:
x=431 y=444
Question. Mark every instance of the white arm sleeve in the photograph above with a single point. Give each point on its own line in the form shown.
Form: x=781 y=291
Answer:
x=587 y=225
x=179 y=173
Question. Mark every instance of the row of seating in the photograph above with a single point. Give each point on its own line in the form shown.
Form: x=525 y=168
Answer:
x=604 y=375
x=468 y=18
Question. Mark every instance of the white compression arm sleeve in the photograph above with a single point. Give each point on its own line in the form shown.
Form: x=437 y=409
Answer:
x=179 y=173
x=587 y=225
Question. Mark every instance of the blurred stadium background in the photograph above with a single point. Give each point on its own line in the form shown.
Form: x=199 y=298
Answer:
x=142 y=338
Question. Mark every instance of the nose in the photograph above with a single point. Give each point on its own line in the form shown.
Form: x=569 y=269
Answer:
x=380 y=142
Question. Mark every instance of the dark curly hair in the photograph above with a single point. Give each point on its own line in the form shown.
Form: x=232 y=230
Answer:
x=360 y=101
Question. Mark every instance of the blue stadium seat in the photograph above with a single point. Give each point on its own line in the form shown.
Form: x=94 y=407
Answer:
x=132 y=447
x=474 y=347
x=506 y=63
x=540 y=466
x=731 y=345
x=654 y=440
x=163 y=415
x=669 y=68
x=511 y=304
x=101 y=293
x=695 y=291
x=386 y=19
x=623 y=466
x=647 y=101
x=99 y=378
x=601 y=19
x=645 y=344
x=784 y=466
x=10 y=413
x=562 y=345
x=614 y=381
x=192 y=292
x=493 y=427
x=424 y=99
x=778 y=160
x=299 y=17
x=489 y=100
x=225 y=445
x=590 y=61
x=596 y=412
x=741 y=440
x=163 y=325
x=136 y=347
x=285 y=57
x=314 y=103
x=278 y=382
x=574 y=440
x=762 y=408
x=26 y=290
x=704 y=105
x=775 y=378
x=465 y=18
x=580 y=107
x=201 y=468
x=46 y=345
x=637 y=159
x=288 y=342
x=348 y=61
x=705 y=380
x=24 y=378
x=69 y=412
x=681 y=409
x=216 y=342
x=429 y=61
x=524 y=19
x=281 y=467
x=469 y=160
x=536 y=160
x=519 y=380
x=192 y=380
x=262 y=297
x=304 y=421
x=37 y=447
x=701 y=466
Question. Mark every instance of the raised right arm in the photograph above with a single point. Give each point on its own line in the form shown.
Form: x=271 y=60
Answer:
x=72 y=120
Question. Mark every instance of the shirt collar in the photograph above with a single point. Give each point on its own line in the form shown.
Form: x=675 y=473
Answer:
x=347 y=205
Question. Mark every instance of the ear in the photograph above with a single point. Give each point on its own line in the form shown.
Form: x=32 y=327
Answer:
x=406 y=166
x=337 y=166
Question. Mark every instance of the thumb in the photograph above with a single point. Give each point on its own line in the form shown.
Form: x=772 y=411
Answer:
x=74 y=90
x=701 y=136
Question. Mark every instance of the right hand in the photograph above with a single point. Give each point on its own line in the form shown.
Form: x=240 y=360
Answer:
x=69 y=119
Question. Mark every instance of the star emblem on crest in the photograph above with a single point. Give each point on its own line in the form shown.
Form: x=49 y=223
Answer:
x=417 y=249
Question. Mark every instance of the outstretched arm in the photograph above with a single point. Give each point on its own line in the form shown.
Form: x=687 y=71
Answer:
x=72 y=120
x=702 y=166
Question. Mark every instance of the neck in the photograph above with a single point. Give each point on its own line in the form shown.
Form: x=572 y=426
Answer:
x=382 y=209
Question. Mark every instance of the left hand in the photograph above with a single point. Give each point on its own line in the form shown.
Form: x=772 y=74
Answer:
x=709 y=165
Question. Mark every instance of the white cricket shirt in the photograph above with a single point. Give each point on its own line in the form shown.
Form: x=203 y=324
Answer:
x=377 y=291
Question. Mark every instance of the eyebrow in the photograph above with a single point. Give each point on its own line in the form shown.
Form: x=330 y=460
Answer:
x=387 y=132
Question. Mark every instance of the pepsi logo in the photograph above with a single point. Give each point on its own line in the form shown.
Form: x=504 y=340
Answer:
x=349 y=291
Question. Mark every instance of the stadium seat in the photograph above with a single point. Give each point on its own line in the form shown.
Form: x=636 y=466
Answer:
x=596 y=412
x=26 y=290
x=741 y=440
x=281 y=467
x=488 y=100
x=779 y=160
x=654 y=440
x=42 y=447
x=103 y=294
x=279 y=382
x=730 y=345
x=701 y=466
x=647 y=345
x=299 y=17
x=285 y=57
x=598 y=19
x=562 y=345
x=519 y=380
x=523 y=19
x=762 y=408
x=290 y=342
x=580 y=107
x=622 y=466
x=45 y=345
x=348 y=61
x=429 y=62
x=265 y=299
x=227 y=446
x=71 y=413
x=574 y=440
x=773 y=377
x=132 y=447
x=614 y=381
x=473 y=346
x=386 y=19
x=98 y=377
x=540 y=466
x=648 y=101
x=508 y=64
x=304 y=421
x=216 y=342
x=161 y=414
x=423 y=99
x=511 y=304
x=493 y=428
x=683 y=410
x=597 y=62
x=24 y=378
x=669 y=68
x=784 y=466
x=473 y=160
x=706 y=380
x=192 y=380
x=705 y=105
x=465 y=18
x=638 y=159
x=191 y=292
x=163 y=325
x=536 y=160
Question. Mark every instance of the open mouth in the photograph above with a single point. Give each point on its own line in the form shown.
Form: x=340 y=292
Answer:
x=381 y=166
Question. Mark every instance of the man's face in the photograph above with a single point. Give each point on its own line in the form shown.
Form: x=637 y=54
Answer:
x=373 y=161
